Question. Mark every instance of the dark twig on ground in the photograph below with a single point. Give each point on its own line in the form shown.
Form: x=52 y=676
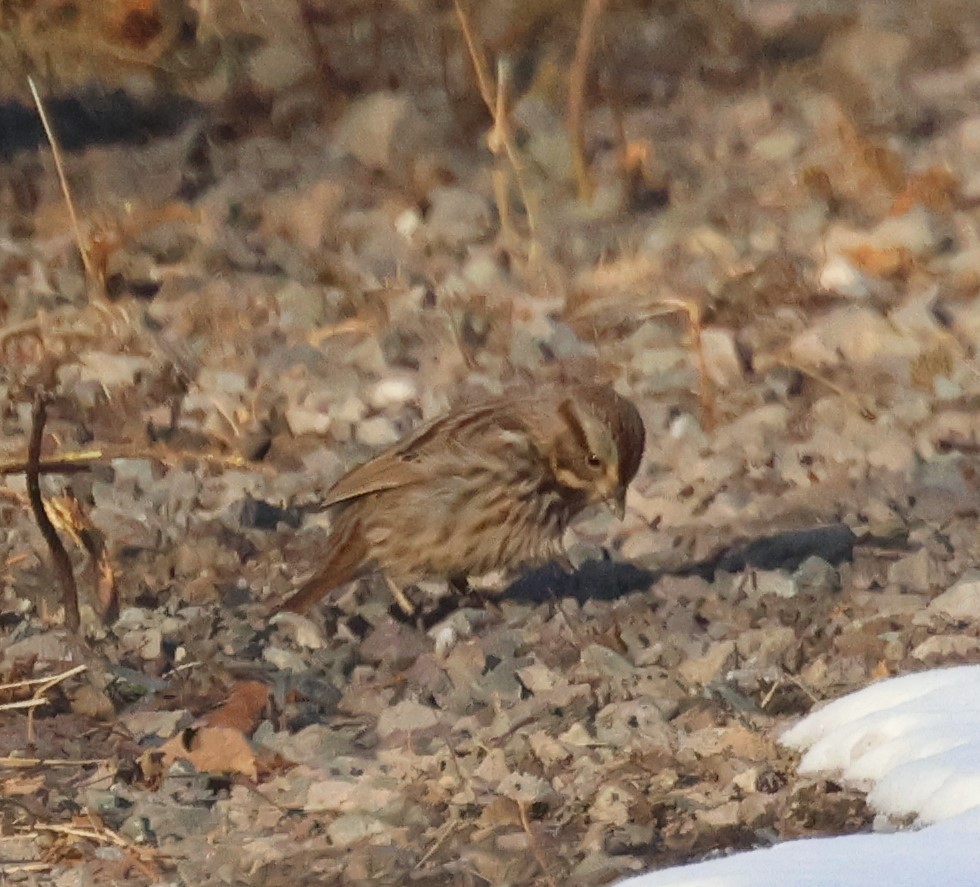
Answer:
x=59 y=557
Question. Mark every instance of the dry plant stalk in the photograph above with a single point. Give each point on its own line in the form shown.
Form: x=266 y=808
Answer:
x=143 y=858
x=70 y=463
x=20 y=868
x=68 y=516
x=500 y=140
x=536 y=851
x=46 y=685
x=75 y=463
x=59 y=557
x=785 y=359
x=577 y=80
x=63 y=180
x=691 y=310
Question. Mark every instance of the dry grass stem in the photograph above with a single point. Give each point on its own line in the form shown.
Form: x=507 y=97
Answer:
x=54 y=680
x=448 y=830
x=73 y=463
x=63 y=180
x=783 y=359
x=785 y=678
x=692 y=311
x=500 y=140
x=484 y=81
x=577 y=81
x=65 y=465
x=142 y=857
x=355 y=325
x=45 y=682
x=23 y=703
x=26 y=763
x=536 y=851
x=19 y=868
x=37 y=698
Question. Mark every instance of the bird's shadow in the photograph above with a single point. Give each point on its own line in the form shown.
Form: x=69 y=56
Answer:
x=603 y=580
x=607 y=580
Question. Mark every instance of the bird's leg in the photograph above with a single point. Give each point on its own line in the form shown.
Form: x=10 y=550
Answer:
x=459 y=584
x=404 y=604
x=482 y=594
x=564 y=563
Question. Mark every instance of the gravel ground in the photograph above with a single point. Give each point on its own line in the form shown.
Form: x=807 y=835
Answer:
x=780 y=264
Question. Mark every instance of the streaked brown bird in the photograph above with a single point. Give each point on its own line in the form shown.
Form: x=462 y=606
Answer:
x=489 y=487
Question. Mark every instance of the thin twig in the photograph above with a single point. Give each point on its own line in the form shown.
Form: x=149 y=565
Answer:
x=65 y=465
x=496 y=139
x=177 y=669
x=483 y=80
x=784 y=359
x=50 y=682
x=60 y=558
x=73 y=463
x=59 y=678
x=793 y=679
x=354 y=325
x=100 y=835
x=143 y=857
x=500 y=140
x=535 y=849
x=32 y=682
x=18 y=868
x=23 y=703
x=27 y=763
x=691 y=309
x=59 y=167
x=448 y=829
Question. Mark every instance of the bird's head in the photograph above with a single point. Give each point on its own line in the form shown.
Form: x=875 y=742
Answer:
x=598 y=445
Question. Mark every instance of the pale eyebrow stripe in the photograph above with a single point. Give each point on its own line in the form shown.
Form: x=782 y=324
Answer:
x=578 y=432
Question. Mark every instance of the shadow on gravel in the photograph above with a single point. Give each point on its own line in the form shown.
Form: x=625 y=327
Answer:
x=602 y=580
x=93 y=118
x=607 y=580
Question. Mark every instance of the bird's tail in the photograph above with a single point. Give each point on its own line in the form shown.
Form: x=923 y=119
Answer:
x=346 y=557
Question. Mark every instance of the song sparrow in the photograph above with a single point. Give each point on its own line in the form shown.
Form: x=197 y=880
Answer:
x=489 y=487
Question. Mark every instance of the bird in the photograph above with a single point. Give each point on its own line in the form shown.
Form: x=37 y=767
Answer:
x=487 y=488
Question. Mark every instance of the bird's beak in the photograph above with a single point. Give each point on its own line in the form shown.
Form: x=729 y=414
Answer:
x=617 y=503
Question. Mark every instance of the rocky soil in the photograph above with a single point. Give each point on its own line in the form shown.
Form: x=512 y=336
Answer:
x=779 y=262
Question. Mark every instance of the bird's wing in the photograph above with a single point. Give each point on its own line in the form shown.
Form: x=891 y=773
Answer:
x=408 y=461
x=383 y=472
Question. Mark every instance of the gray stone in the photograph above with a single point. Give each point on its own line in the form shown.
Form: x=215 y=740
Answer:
x=407 y=716
x=961 y=601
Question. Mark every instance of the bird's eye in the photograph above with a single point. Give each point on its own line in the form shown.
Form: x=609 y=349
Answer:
x=594 y=461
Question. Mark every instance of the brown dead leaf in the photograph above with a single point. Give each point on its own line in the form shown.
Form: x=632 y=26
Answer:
x=881 y=670
x=21 y=786
x=211 y=750
x=934 y=188
x=219 y=744
x=877 y=160
x=896 y=262
x=858 y=170
x=242 y=709
x=500 y=812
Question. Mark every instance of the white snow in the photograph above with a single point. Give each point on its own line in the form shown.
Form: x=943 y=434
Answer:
x=913 y=743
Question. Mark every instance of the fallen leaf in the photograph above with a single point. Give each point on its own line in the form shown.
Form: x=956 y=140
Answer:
x=243 y=708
